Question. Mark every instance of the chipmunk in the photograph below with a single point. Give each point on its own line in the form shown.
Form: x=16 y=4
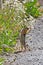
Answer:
x=22 y=37
x=22 y=40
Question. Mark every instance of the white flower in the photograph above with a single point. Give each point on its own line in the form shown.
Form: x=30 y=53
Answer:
x=25 y=20
x=16 y=0
x=32 y=0
x=10 y=10
x=6 y=33
x=5 y=12
x=14 y=19
x=10 y=40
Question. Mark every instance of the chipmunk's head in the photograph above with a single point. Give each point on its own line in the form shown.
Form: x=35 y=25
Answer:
x=28 y=30
x=25 y=30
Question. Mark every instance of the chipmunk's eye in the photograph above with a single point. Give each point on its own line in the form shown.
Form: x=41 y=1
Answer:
x=27 y=28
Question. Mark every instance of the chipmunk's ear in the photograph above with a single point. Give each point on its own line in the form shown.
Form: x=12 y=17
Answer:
x=28 y=29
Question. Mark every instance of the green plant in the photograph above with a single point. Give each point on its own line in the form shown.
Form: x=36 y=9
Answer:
x=9 y=26
x=1 y=61
x=32 y=9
